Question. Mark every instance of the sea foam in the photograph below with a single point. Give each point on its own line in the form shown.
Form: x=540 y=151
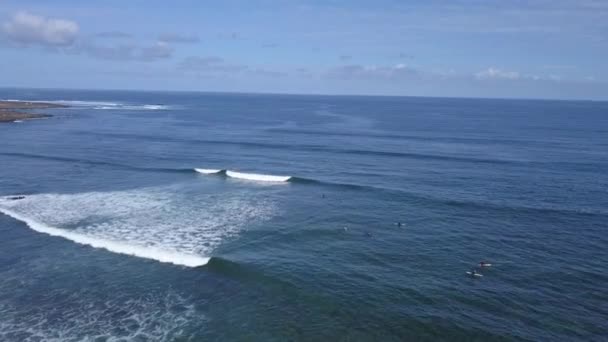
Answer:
x=112 y=246
x=105 y=105
x=161 y=223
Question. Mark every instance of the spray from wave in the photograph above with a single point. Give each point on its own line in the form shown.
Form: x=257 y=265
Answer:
x=163 y=224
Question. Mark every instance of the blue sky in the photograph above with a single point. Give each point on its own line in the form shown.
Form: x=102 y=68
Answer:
x=470 y=48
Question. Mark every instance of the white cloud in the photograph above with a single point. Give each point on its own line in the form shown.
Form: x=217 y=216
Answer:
x=497 y=74
x=30 y=29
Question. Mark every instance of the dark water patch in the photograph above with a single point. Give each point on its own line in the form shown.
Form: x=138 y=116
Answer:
x=244 y=273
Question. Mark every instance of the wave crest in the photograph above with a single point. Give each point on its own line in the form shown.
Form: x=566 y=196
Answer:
x=208 y=171
x=257 y=177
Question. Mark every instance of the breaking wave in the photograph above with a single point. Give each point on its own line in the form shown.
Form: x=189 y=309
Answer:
x=133 y=107
x=161 y=223
x=257 y=177
x=208 y=171
x=246 y=176
x=113 y=246
x=101 y=104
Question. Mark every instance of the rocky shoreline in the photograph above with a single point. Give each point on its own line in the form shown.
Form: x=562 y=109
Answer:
x=12 y=111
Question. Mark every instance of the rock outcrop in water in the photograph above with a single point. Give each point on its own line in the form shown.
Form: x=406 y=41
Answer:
x=11 y=111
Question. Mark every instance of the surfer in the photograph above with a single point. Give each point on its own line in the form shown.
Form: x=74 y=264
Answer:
x=484 y=264
x=368 y=234
x=15 y=198
x=473 y=273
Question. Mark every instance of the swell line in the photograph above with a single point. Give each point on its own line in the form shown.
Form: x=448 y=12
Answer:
x=448 y=202
x=312 y=148
x=94 y=162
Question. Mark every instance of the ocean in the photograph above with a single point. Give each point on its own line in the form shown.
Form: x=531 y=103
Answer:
x=311 y=218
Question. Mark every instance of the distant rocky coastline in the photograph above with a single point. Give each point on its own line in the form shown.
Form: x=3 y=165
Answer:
x=11 y=111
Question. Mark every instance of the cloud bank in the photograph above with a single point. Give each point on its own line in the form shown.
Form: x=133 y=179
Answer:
x=28 y=29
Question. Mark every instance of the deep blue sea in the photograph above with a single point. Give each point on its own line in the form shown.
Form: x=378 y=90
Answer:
x=118 y=238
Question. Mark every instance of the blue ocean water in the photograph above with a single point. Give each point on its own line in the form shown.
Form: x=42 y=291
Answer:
x=118 y=238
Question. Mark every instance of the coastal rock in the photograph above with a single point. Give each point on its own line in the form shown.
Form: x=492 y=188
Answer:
x=11 y=116
x=9 y=113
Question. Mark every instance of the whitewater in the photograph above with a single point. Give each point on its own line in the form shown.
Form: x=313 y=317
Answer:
x=246 y=176
x=158 y=223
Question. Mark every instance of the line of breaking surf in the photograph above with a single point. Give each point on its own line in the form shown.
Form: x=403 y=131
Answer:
x=157 y=254
x=245 y=175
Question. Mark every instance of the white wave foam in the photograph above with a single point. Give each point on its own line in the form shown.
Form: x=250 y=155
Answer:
x=133 y=107
x=208 y=171
x=112 y=246
x=154 y=223
x=104 y=105
x=78 y=103
x=257 y=177
x=154 y=107
x=92 y=316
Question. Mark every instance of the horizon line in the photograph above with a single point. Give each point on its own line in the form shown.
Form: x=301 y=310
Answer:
x=218 y=92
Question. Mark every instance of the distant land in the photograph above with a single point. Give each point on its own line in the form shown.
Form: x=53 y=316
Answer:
x=11 y=111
